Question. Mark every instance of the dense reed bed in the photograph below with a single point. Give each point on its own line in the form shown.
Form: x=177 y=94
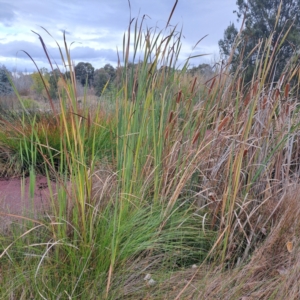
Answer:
x=186 y=189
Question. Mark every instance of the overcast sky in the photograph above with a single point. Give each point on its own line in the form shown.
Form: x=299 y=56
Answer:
x=96 y=28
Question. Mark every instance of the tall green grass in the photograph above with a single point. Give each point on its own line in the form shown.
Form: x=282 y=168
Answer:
x=90 y=239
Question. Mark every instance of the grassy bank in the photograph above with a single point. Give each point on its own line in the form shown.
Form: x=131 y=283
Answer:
x=182 y=190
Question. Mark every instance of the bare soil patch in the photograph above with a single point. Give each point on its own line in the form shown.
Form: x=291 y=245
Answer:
x=15 y=200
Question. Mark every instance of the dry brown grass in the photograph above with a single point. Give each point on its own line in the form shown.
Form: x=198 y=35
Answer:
x=273 y=271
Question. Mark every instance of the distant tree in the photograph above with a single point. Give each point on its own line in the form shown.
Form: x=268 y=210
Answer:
x=53 y=83
x=5 y=86
x=260 y=22
x=104 y=77
x=44 y=71
x=205 y=70
x=67 y=75
x=101 y=78
x=226 y=45
x=38 y=85
x=84 y=73
x=111 y=71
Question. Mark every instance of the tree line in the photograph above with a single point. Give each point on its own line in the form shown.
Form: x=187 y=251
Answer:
x=85 y=74
x=99 y=80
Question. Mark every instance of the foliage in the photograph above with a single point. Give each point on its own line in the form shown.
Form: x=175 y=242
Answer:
x=5 y=85
x=277 y=19
x=103 y=79
x=110 y=70
x=38 y=85
x=84 y=73
x=53 y=83
x=41 y=128
x=204 y=69
x=228 y=44
x=29 y=104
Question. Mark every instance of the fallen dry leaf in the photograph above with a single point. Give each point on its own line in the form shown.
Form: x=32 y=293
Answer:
x=289 y=246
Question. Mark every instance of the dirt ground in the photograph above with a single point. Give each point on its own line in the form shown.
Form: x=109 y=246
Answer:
x=15 y=200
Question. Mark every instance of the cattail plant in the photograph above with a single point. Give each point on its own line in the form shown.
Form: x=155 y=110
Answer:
x=180 y=182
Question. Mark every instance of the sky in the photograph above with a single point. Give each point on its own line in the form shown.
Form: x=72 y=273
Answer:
x=94 y=28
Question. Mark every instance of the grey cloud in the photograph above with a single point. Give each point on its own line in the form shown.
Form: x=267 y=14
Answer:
x=85 y=21
x=15 y=52
x=7 y=14
x=87 y=52
x=70 y=15
x=16 y=49
x=24 y=65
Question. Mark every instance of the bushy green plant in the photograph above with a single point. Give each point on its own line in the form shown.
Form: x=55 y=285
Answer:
x=29 y=104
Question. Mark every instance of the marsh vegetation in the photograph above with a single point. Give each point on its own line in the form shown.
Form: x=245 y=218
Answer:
x=181 y=188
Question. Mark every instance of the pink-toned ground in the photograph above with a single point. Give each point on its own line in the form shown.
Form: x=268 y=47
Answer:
x=15 y=199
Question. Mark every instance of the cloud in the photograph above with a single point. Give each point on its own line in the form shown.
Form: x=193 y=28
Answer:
x=97 y=27
x=7 y=14
x=16 y=48
x=14 y=51
x=90 y=53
